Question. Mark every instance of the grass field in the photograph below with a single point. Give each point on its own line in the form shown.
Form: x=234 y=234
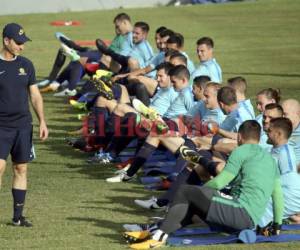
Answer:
x=70 y=204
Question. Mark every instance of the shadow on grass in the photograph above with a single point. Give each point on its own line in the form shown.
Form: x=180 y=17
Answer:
x=109 y=224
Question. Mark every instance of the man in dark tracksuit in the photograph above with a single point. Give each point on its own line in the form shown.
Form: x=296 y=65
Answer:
x=17 y=77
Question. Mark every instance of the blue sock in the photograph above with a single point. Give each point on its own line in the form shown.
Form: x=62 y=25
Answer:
x=19 y=200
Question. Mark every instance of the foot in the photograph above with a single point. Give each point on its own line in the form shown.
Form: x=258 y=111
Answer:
x=100 y=157
x=103 y=88
x=147 y=244
x=43 y=83
x=132 y=237
x=122 y=177
x=22 y=222
x=59 y=37
x=149 y=113
x=71 y=53
x=189 y=155
x=78 y=105
x=101 y=46
x=66 y=92
x=149 y=204
x=50 y=88
x=138 y=227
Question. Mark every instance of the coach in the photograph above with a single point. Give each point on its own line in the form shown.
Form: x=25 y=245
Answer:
x=17 y=78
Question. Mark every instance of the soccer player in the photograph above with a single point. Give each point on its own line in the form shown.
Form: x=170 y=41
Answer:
x=249 y=170
x=208 y=65
x=291 y=109
x=279 y=131
x=181 y=104
x=81 y=56
x=17 y=78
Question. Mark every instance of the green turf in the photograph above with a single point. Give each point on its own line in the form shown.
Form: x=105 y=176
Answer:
x=69 y=202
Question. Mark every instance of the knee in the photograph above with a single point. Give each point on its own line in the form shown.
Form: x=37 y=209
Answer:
x=140 y=88
x=133 y=64
x=20 y=170
x=101 y=101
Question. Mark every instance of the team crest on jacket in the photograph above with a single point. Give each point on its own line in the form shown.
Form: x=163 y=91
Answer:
x=22 y=72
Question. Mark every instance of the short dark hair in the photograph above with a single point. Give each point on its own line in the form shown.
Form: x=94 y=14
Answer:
x=122 y=17
x=180 y=71
x=206 y=40
x=271 y=93
x=179 y=56
x=166 y=66
x=238 y=83
x=144 y=26
x=250 y=129
x=176 y=38
x=160 y=29
x=201 y=81
x=284 y=124
x=227 y=95
x=276 y=106
x=166 y=32
x=170 y=52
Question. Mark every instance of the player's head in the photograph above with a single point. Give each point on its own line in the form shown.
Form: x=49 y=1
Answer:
x=210 y=95
x=178 y=59
x=279 y=131
x=205 y=47
x=164 y=35
x=227 y=99
x=175 y=41
x=199 y=84
x=180 y=76
x=162 y=74
x=157 y=35
x=249 y=131
x=14 y=38
x=122 y=23
x=140 y=32
x=265 y=97
x=239 y=84
x=291 y=110
x=272 y=110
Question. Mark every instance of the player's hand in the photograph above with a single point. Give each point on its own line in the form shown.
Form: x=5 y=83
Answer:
x=213 y=127
x=269 y=230
x=43 y=131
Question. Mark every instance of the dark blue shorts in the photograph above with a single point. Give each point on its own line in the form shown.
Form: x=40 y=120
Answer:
x=17 y=142
x=92 y=55
x=117 y=90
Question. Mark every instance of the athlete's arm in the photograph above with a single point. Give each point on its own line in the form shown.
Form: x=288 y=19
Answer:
x=225 y=147
x=221 y=180
x=37 y=103
x=278 y=202
x=227 y=134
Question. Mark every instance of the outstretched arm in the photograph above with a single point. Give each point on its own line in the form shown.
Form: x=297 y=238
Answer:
x=278 y=202
x=37 y=103
x=221 y=180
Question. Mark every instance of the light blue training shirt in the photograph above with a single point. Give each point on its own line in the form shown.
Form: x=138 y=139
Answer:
x=290 y=182
x=294 y=141
x=162 y=100
x=182 y=103
x=209 y=68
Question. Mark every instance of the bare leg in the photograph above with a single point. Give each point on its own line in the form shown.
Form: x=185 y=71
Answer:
x=149 y=83
x=133 y=64
x=2 y=169
x=20 y=176
x=125 y=96
x=171 y=143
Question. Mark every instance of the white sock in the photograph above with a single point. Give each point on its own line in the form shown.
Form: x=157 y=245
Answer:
x=160 y=235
